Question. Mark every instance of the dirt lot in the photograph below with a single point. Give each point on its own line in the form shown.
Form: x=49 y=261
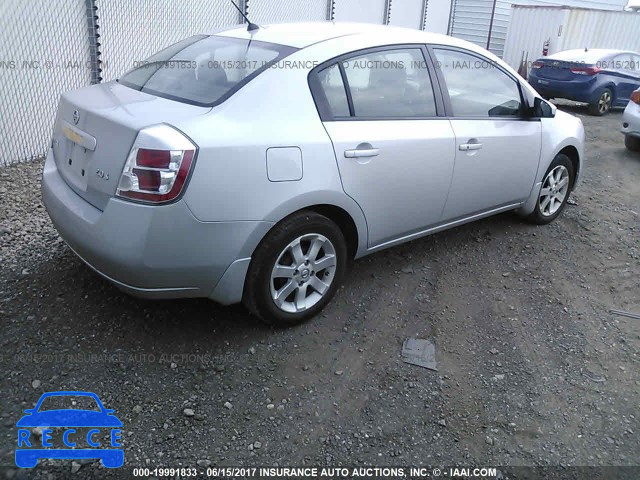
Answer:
x=533 y=369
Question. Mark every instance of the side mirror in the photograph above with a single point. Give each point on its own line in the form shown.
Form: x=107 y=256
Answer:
x=543 y=109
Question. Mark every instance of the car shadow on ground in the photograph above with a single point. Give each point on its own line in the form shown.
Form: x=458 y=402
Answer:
x=582 y=109
x=64 y=289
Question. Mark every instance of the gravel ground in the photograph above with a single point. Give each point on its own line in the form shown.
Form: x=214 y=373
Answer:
x=532 y=368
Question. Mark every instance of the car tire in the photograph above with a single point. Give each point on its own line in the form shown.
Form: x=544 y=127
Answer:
x=296 y=269
x=554 y=192
x=602 y=105
x=632 y=143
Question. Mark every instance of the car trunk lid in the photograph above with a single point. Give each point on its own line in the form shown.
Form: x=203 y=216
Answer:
x=562 y=69
x=555 y=69
x=95 y=129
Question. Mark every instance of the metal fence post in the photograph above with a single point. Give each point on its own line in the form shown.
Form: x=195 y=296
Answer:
x=244 y=6
x=425 y=6
x=331 y=10
x=387 y=12
x=94 y=44
x=452 y=17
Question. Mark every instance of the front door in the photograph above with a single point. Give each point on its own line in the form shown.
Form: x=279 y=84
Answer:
x=497 y=148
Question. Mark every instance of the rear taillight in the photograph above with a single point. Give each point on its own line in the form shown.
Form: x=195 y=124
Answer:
x=537 y=65
x=635 y=97
x=158 y=165
x=586 y=70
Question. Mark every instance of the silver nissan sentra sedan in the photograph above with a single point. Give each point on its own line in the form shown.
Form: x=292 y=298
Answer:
x=253 y=165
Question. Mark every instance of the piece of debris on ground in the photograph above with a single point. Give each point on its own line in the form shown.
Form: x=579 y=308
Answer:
x=419 y=352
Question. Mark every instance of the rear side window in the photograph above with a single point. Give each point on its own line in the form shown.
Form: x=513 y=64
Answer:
x=333 y=87
x=204 y=70
x=391 y=84
x=477 y=87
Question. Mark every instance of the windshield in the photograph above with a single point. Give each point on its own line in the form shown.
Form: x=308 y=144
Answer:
x=204 y=70
x=69 y=402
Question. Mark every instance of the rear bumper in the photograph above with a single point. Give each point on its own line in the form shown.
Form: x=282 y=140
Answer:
x=577 y=90
x=631 y=120
x=153 y=251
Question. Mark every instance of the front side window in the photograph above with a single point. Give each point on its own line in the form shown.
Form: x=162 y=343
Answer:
x=390 y=84
x=477 y=87
x=204 y=70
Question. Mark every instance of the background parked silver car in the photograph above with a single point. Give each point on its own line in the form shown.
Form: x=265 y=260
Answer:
x=253 y=165
x=631 y=122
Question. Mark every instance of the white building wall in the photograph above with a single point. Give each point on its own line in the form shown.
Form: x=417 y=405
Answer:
x=568 y=28
x=471 y=18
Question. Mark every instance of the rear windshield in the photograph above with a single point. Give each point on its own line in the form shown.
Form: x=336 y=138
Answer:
x=204 y=70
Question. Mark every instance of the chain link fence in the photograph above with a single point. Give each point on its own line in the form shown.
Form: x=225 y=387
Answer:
x=132 y=31
x=51 y=46
x=44 y=50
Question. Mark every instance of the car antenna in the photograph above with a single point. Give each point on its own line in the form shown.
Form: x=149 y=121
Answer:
x=251 y=26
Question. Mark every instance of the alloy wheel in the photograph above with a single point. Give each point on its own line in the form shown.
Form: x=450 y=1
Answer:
x=604 y=103
x=303 y=273
x=555 y=189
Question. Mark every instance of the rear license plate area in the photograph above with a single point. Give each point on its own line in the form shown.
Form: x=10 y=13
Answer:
x=75 y=164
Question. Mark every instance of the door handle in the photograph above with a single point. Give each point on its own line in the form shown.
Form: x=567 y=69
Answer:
x=465 y=147
x=363 y=150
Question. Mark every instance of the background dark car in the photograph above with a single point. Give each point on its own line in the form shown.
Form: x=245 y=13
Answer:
x=601 y=78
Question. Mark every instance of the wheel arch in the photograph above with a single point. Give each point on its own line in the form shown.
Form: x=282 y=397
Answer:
x=253 y=294
x=568 y=148
x=337 y=206
x=355 y=235
x=608 y=84
x=344 y=221
x=572 y=152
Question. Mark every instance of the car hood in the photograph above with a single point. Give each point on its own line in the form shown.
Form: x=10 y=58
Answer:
x=69 y=418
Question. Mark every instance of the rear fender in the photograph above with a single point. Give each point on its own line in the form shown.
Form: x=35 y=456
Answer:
x=329 y=198
x=607 y=84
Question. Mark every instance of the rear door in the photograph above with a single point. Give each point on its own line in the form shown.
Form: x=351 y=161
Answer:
x=497 y=147
x=395 y=153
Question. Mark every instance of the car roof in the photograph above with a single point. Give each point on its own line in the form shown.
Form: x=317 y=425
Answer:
x=70 y=393
x=304 y=34
x=591 y=55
